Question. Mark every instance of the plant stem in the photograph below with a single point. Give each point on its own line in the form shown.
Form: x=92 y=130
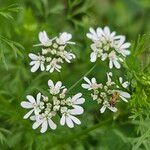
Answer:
x=75 y=84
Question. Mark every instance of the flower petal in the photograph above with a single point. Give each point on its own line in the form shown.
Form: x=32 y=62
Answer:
x=78 y=110
x=62 y=120
x=27 y=105
x=30 y=98
x=93 y=57
x=103 y=109
x=44 y=126
x=36 y=124
x=28 y=114
x=35 y=67
x=116 y=64
x=75 y=119
x=50 y=83
x=69 y=122
x=52 y=124
x=33 y=56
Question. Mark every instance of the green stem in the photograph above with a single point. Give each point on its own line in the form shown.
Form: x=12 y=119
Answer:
x=75 y=84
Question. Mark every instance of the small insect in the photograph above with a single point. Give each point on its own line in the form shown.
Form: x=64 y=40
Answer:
x=114 y=99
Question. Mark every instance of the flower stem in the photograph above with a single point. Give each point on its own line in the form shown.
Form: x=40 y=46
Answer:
x=75 y=84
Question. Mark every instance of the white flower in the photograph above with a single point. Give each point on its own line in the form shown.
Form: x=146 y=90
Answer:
x=124 y=84
x=55 y=89
x=113 y=60
x=107 y=45
x=106 y=104
x=94 y=35
x=53 y=53
x=67 y=56
x=109 y=80
x=32 y=104
x=64 y=38
x=44 y=122
x=45 y=41
x=123 y=95
x=77 y=100
x=53 y=65
x=68 y=118
x=37 y=62
x=90 y=84
x=122 y=47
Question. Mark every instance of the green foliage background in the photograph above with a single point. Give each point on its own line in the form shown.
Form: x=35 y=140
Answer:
x=20 y=23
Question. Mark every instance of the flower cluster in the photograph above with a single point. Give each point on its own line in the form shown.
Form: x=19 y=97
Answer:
x=53 y=52
x=108 y=45
x=43 y=108
x=109 y=94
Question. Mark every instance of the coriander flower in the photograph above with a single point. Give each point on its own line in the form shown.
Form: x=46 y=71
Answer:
x=54 y=52
x=90 y=84
x=37 y=62
x=108 y=94
x=107 y=45
x=44 y=39
x=55 y=89
x=64 y=38
x=31 y=104
x=45 y=121
x=106 y=104
x=45 y=108
x=69 y=118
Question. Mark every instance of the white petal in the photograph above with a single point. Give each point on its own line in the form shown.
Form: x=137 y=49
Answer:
x=58 y=84
x=78 y=110
x=93 y=80
x=33 y=56
x=52 y=124
x=75 y=97
x=28 y=114
x=50 y=83
x=75 y=120
x=30 y=98
x=110 y=64
x=79 y=101
x=120 y=80
x=87 y=80
x=103 y=109
x=69 y=122
x=43 y=37
x=124 y=99
x=33 y=118
x=33 y=63
x=93 y=57
x=86 y=86
x=99 y=32
x=62 y=120
x=113 y=109
x=44 y=126
x=27 y=105
x=104 y=56
x=36 y=124
x=126 y=45
x=35 y=67
x=116 y=64
x=42 y=67
x=107 y=31
x=38 y=98
x=125 y=94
